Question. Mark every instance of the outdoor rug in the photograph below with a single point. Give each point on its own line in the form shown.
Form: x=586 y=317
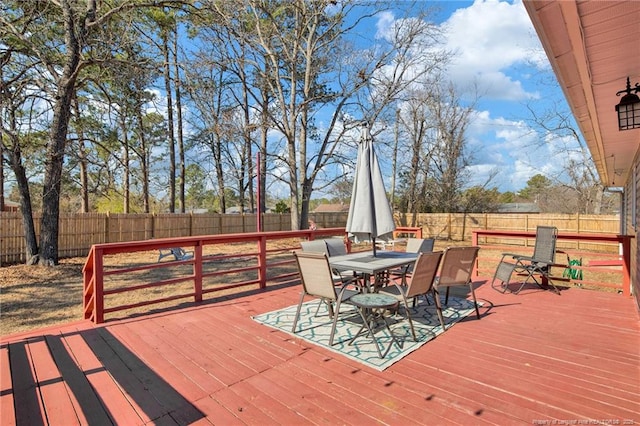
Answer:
x=316 y=329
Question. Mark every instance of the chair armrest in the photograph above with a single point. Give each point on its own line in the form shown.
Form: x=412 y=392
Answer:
x=516 y=255
x=353 y=281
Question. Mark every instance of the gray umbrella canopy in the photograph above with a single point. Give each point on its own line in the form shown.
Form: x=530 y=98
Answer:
x=370 y=214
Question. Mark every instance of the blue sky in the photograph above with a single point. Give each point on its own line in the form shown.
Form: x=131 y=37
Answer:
x=498 y=50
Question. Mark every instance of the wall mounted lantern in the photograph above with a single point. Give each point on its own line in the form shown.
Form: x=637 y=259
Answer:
x=629 y=108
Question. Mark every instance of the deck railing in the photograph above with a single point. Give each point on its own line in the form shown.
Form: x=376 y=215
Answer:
x=113 y=284
x=152 y=276
x=415 y=231
x=616 y=262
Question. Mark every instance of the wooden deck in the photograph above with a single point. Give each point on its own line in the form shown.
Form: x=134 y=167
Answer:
x=533 y=358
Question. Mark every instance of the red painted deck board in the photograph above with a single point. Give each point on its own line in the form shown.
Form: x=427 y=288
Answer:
x=53 y=390
x=27 y=404
x=200 y=345
x=111 y=396
x=88 y=408
x=533 y=356
x=215 y=412
x=7 y=414
x=570 y=379
x=374 y=398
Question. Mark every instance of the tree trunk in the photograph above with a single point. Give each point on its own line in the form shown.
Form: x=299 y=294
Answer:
x=31 y=244
x=126 y=184
x=144 y=161
x=262 y=186
x=176 y=76
x=1 y=177
x=51 y=189
x=53 y=174
x=58 y=138
x=293 y=186
x=172 y=144
x=84 y=180
x=82 y=161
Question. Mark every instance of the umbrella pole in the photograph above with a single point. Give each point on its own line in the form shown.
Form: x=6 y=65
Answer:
x=374 y=246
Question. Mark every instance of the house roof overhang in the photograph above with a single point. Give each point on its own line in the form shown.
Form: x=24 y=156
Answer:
x=593 y=46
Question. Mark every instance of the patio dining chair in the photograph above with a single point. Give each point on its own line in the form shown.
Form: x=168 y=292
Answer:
x=317 y=281
x=420 y=245
x=316 y=246
x=539 y=263
x=336 y=246
x=420 y=284
x=331 y=247
x=455 y=270
x=414 y=245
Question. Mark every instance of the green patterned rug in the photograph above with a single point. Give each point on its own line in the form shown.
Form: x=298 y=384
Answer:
x=316 y=329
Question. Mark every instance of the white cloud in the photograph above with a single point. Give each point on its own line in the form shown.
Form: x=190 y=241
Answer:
x=385 y=25
x=509 y=147
x=489 y=38
x=497 y=50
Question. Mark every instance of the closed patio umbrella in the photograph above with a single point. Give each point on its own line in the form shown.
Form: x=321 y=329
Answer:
x=370 y=214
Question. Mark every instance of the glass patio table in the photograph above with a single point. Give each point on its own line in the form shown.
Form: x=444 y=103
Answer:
x=372 y=267
x=372 y=308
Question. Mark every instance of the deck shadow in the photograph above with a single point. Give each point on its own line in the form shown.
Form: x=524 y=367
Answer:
x=79 y=363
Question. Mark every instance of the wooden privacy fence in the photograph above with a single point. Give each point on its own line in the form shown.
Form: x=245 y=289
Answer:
x=78 y=232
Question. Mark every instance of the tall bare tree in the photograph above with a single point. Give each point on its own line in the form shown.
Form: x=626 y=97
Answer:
x=452 y=156
x=433 y=121
x=307 y=64
x=179 y=121
x=579 y=175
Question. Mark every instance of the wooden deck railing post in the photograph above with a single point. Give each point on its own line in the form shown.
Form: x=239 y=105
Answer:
x=626 y=265
x=262 y=261
x=98 y=298
x=197 y=271
x=88 y=292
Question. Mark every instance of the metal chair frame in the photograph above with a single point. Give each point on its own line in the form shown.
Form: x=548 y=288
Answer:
x=456 y=268
x=420 y=284
x=317 y=281
x=539 y=263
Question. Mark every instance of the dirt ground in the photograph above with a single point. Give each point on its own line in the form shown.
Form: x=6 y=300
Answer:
x=38 y=296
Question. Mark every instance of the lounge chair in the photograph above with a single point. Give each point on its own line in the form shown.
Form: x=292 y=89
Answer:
x=539 y=263
x=178 y=253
